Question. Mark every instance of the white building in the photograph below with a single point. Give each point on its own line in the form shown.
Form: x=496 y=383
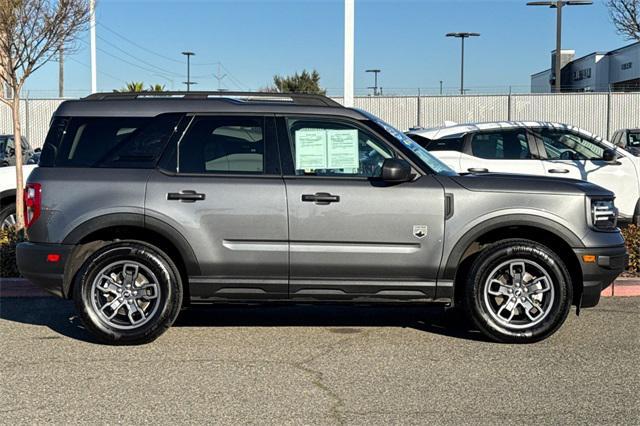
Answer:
x=618 y=70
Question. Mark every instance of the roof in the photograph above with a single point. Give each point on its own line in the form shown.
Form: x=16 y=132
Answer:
x=149 y=104
x=460 y=130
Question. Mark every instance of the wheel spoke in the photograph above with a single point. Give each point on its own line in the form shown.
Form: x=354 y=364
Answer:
x=498 y=288
x=108 y=285
x=516 y=270
x=130 y=273
x=136 y=315
x=540 y=285
x=113 y=306
x=532 y=309
x=509 y=306
x=147 y=291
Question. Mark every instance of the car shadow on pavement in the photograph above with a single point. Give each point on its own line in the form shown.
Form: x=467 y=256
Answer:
x=60 y=316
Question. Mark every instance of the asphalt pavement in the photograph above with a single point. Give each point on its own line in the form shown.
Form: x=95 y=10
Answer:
x=318 y=365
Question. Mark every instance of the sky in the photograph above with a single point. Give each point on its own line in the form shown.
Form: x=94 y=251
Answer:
x=141 y=40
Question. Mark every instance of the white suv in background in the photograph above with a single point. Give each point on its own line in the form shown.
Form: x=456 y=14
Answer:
x=538 y=148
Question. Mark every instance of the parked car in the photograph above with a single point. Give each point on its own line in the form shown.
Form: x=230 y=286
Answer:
x=538 y=148
x=628 y=139
x=8 y=150
x=144 y=203
x=8 y=194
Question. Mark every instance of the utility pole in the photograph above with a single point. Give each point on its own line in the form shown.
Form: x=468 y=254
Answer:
x=440 y=87
x=189 y=82
x=92 y=30
x=219 y=76
x=349 y=24
x=462 y=36
x=375 y=84
x=61 y=73
x=558 y=5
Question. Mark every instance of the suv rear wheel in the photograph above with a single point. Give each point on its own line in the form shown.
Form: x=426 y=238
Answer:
x=128 y=293
x=8 y=217
x=518 y=291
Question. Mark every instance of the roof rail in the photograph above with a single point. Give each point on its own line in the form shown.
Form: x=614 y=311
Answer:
x=254 y=97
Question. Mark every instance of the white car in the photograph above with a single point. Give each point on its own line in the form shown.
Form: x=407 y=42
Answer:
x=8 y=193
x=538 y=148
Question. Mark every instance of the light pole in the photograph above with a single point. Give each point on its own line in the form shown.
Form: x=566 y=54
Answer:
x=189 y=82
x=375 y=84
x=92 y=33
x=558 y=5
x=349 y=40
x=462 y=36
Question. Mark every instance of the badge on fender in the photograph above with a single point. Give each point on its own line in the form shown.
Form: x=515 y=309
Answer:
x=420 y=231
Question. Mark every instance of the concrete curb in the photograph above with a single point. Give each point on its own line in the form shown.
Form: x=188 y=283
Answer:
x=20 y=287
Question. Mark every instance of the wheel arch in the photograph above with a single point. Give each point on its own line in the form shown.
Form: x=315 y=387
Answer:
x=541 y=230
x=7 y=197
x=95 y=233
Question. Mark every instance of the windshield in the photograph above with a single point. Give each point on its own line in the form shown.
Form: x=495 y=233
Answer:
x=432 y=162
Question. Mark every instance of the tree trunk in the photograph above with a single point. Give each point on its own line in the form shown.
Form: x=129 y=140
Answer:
x=17 y=137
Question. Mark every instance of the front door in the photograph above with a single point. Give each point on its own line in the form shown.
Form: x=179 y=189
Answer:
x=223 y=192
x=571 y=155
x=353 y=237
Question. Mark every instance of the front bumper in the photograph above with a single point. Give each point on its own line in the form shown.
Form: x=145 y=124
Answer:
x=34 y=265
x=598 y=275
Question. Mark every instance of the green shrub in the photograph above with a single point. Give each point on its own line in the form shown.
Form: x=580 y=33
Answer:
x=8 y=241
x=632 y=238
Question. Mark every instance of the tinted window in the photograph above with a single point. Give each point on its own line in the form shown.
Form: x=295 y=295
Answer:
x=446 y=144
x=561 y=145
x=510 y=145
x=86 y=141
x=223 y=145
x=328 y=148
x=634 y=139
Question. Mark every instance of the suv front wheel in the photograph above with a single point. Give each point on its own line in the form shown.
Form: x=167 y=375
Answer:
x=518 y=291
x=128 y=292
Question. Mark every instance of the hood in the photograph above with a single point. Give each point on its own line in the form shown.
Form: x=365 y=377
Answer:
x=504 y=182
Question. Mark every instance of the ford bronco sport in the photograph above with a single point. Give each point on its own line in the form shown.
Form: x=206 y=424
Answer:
x=145 y=203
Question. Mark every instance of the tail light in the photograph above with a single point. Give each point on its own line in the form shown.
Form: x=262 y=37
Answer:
x=32 y=203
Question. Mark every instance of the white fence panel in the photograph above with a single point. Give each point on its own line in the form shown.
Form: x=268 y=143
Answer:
x=35 y=115
x=625 y=111
x=585 y=110
x=435 y=110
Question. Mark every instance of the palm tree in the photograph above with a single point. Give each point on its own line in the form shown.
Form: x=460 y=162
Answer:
x=134 y=86
x=157 y=88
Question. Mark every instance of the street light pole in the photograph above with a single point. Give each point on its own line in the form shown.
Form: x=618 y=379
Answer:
x=188 y=82
x=92 y=34
x=375 y=84
x=349 y=41
x=558 y=5
x=462 y=36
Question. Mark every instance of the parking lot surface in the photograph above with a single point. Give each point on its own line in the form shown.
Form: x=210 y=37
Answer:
x=318 y=365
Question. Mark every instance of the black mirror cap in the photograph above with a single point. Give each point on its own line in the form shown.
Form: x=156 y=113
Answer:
x=609 y=155
x=396 y=171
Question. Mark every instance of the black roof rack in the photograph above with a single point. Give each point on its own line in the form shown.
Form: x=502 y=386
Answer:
x=253 y=97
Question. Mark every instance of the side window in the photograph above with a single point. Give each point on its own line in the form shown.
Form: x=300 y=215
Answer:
x=86 y=140
x=228 y=145
x=506 y=145
x=561 y=145
x=331 y=148
x=446 y=144
x=144 y=147
x=634 y=139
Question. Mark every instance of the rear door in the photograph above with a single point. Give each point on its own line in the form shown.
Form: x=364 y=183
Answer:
x=222 y=190
x=351 y=235
x=501 y=151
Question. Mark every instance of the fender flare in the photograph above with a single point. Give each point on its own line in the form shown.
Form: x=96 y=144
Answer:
x=8 y=193
x=138 y=221
x=454 y=258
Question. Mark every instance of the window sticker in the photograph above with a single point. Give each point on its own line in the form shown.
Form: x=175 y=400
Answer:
x=342 y=149
x=311 y=149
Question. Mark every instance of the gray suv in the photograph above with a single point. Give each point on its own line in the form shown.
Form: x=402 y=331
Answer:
x=143 y=204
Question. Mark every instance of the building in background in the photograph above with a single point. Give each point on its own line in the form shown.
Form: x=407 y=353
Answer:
x=618 y=71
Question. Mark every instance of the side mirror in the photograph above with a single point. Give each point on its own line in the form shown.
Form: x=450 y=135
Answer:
x=609 y=155
x=396 y=171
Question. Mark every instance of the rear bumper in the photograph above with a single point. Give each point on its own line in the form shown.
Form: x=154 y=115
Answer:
x=596 y=276
x=33 y=265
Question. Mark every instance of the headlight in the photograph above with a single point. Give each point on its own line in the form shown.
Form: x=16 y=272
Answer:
x=604 y=214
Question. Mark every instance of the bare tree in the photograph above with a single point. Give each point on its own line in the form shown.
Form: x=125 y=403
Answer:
x=32 y=32
x=625 y=15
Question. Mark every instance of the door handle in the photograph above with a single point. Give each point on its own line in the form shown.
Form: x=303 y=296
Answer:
x=321 y=198
x=478 y=170
x=186 y=196
x=558 y=171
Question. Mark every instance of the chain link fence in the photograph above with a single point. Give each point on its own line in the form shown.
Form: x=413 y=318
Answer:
x=599 y=113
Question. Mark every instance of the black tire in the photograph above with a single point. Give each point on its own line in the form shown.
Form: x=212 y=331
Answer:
x=157 y=263
x=477 y=306
x=5 y=212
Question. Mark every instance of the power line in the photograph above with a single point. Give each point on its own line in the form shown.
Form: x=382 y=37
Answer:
x=99 y=71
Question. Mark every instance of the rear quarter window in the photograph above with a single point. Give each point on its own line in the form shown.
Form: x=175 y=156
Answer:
x=446 y=144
